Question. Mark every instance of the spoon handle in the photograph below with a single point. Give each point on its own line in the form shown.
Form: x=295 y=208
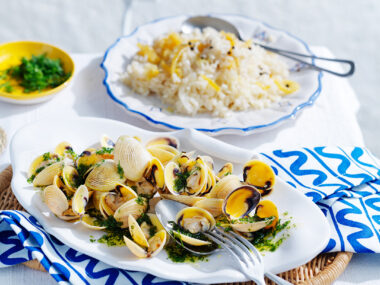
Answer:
x=289 y=54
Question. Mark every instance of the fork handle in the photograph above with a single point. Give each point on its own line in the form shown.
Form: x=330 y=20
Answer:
x=276 y=279
x=289 y=54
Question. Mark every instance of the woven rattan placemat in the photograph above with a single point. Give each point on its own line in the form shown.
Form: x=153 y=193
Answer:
x=323 y=269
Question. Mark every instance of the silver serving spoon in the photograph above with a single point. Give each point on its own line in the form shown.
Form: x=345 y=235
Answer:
x=218 y=24
x=166 y=211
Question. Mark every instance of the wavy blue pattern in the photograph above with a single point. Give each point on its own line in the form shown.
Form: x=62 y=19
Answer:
x=343 y=182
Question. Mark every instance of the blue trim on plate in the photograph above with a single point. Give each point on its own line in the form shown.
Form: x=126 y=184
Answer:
x=298 y=108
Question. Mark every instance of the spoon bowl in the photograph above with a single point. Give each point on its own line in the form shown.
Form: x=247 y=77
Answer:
x=201 y=22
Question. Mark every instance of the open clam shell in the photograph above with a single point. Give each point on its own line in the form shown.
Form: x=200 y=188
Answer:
x=64 y=149
x=226 y=169
x=241 y=202
x=195 y=220
x=135 y=207
x=188 y=179
x=156 y=244
x=225 y=186
x=56 y=200
x=70 y=177
x=106 y=141
x=267 y=209
x=89 y=222
x=46 y=176
x=136 y=232
x=170 y=141
x=80 y=200
x=260 y=175
x=164 y=153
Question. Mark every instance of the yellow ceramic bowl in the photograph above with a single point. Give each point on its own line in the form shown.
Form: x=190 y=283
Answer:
x=11 y=54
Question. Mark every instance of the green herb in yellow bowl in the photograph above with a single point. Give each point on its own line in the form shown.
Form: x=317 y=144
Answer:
x=31 y=72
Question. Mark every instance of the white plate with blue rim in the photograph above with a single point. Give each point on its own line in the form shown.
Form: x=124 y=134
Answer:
x=307 y=239
x=153 y=111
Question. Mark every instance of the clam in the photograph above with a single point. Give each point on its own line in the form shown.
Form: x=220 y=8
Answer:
x=56 y=200
x=155 y=245
x=164 y=153
x=208 y=161
x=70 y=177
x=153 y=179
x=224 y=187
x=64 y=149
x=241 y=202
x=57 y=181
x=211 y=181
x=89 y=222
x=88 y=158
x=267 y=209
x=136 y=232
x=106 y=141
x=195 y=220
x=109 y=202
x=187 y=200
x=189 y=178
x=132 y=157
x=170 y=141
x=96 y=198
x=135 y=207
x=212 y=205
x=226 y=169
x=104 y=177
x=41 y=161
x=260 y=175
x=80 y=200
x=46 y=176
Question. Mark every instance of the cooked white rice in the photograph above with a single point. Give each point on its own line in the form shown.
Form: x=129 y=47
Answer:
x=208 y=71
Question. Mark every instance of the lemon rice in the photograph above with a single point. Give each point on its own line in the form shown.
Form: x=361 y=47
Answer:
x=208 y=72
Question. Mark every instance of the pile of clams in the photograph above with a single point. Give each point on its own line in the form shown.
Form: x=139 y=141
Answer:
x=126 y=178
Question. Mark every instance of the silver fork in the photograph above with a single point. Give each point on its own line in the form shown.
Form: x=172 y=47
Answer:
x=247 y=256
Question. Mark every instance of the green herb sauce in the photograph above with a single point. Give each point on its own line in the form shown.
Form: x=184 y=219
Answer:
x=36 y=74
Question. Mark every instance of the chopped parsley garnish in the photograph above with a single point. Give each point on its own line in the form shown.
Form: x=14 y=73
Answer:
x=31 y=178
x=70 y=151
x=38 y=73
x=265 y=239
x=144 y=218
x=134 y=188
x=105 y=150
x=92 y=239
x=120 y=170
x=82 y=169
x=114 y=232
x=177 y=228
x=177 y=253
x=181 y=180
x=227 y=173
x=46 y=156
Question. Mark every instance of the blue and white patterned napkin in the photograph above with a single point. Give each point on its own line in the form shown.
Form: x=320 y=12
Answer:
x=343 y=182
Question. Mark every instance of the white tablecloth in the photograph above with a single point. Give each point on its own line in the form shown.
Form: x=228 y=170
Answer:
x=330 y=121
